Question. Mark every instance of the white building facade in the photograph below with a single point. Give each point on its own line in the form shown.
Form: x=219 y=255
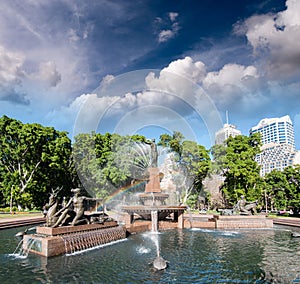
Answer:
x=278 y=149
x=224 y=133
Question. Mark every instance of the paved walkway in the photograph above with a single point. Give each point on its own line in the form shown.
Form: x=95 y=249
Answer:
x=288 y=221
x=18 y=221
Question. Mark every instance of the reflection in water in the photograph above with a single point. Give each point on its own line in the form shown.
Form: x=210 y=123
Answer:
x=196 y=256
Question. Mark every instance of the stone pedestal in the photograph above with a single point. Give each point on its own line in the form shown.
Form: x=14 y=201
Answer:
x=153 y=184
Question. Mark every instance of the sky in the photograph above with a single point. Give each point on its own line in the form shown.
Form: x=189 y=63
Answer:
x=150 y=67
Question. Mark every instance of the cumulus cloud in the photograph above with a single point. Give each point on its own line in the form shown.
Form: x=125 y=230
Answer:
x=276 y=39
x=82 y=114
x=186 y=67
x=234 y=86
x=235 y=75
x=168 y=98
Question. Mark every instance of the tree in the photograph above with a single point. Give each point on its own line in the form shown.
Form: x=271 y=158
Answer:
x=282 y=189
x=174 y=142
x=293 y=191
x=192 y=164
x=218 y=152
x=195 y=163
x=241 y=170
x=275 y=190
x=33 y=159
x=105 y=162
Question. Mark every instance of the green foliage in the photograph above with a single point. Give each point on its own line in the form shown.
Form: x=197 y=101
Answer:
x=196 y=160
x=105 y=161
x=36 y=159
x=218 y=152
x=174 y=142
x=192 y=200
x=241 y=171
x=193 y=163
x=33 y=159
x=282 y=189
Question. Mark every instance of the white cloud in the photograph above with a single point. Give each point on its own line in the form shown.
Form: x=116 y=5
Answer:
x=83 y=113
x=276 y=38
x=47 y=74
x=167 y=100
x=173 y=16
x=230 y=85
x=106 y=80
x=167 y=34
x=11 y=75
x=186 y=67
x=231 y=74
x=10 y=66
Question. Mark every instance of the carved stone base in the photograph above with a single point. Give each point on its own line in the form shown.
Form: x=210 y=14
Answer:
x=70 y=242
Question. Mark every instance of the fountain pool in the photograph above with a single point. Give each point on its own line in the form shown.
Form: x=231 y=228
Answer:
x=194 y=255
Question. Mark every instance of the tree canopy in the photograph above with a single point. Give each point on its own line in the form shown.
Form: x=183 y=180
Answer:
x=193 y=163
x=33 y=160
x=241 y=171
x=282 y=189
x=104 y=162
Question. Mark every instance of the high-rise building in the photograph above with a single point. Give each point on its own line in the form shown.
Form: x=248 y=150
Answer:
x=277 y=130
x=224 y=133
x=278 y=149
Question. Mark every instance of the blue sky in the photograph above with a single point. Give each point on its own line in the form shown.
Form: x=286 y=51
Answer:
x=76 y=65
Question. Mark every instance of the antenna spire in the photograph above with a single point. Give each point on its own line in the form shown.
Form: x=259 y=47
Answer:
x=227 y=116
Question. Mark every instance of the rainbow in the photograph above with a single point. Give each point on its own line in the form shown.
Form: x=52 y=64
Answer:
x=123 y=190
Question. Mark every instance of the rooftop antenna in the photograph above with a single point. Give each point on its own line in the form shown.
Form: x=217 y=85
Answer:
x=227 y=117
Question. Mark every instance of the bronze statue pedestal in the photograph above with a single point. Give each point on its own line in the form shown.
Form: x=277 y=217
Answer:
x=153 y=185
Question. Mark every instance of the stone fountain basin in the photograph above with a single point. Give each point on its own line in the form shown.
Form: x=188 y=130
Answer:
x=145 y=211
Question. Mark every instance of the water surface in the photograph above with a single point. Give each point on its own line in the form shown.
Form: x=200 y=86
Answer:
x=194 y=255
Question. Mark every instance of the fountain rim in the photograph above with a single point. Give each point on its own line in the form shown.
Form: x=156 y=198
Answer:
x=160 y=208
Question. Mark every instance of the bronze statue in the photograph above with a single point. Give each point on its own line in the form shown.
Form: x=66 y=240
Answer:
x=50 y=209
x=153 y=154
x=74 y=215
x=245 y=207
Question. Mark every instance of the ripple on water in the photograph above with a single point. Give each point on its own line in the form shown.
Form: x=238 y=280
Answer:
x=195 y=256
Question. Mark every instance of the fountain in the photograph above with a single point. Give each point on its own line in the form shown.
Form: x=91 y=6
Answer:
x=228 y=255
x=71 y=230
x=153 y=203
x=153 y=207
